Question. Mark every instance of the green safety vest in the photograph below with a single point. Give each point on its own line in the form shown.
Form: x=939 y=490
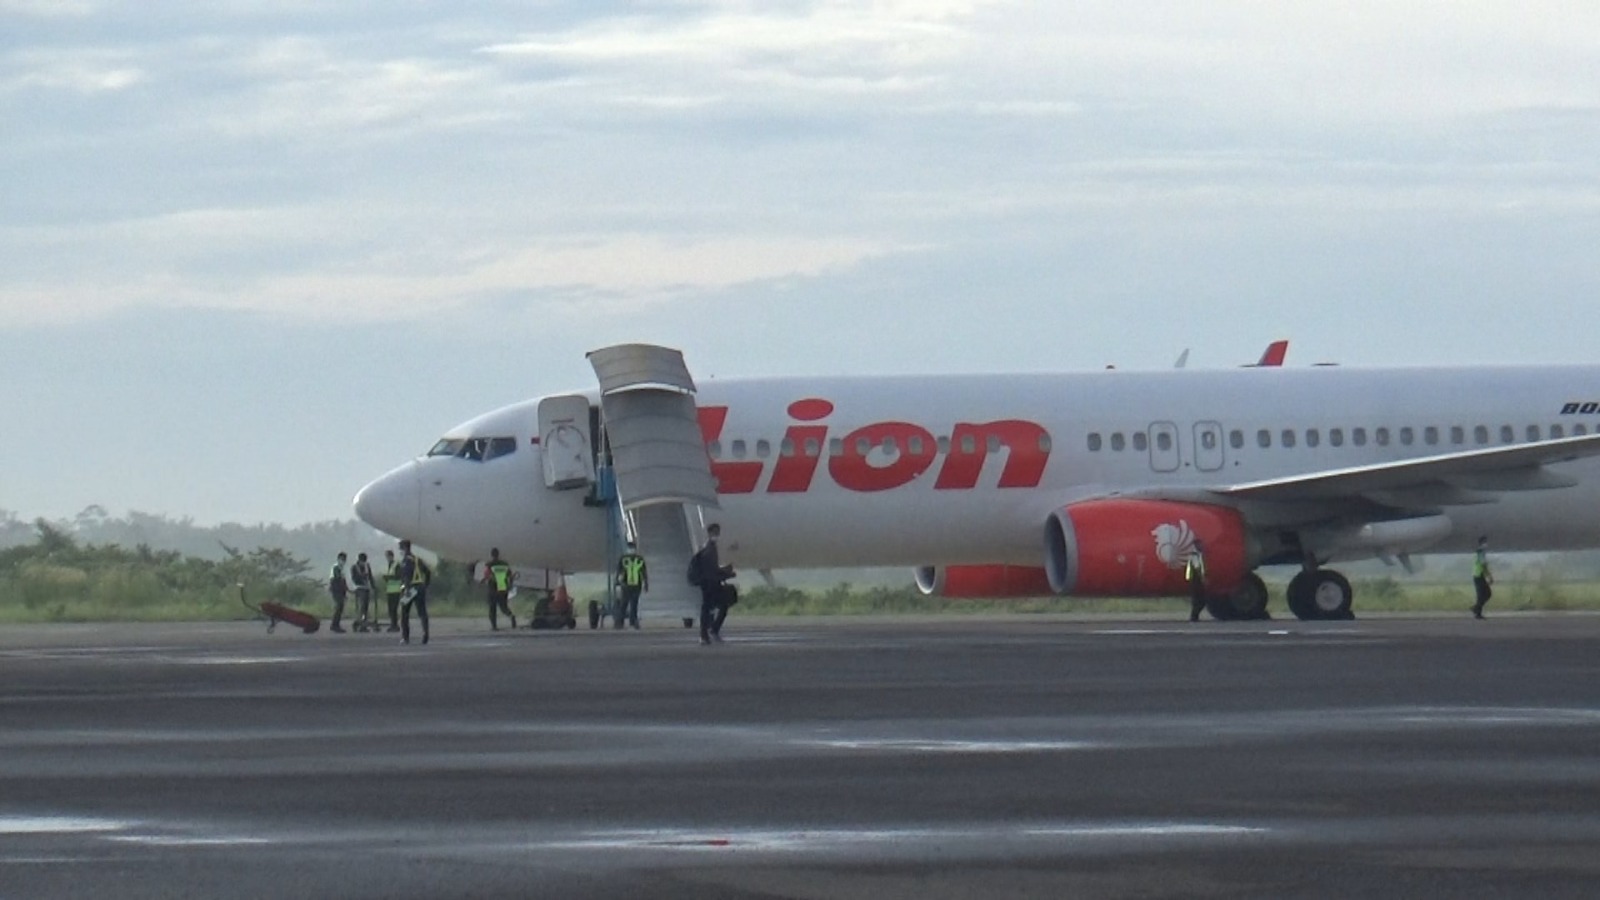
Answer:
x=391 y=579
x=1480 y=565
x=1195 y=569
x=501 y=572
x=632 y=568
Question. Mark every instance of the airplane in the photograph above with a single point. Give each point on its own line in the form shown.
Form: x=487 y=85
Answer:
x=1093 y=483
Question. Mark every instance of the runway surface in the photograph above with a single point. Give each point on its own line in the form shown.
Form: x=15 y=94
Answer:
x=882 y=759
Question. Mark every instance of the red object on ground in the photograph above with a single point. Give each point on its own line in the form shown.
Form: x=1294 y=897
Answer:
x=304 y=621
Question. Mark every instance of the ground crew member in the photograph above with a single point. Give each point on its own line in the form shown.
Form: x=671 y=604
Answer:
x=392 y=588
x=632 y=578
x=716 y=595
x=338 y=587
x=498 y=575
x=1481 y=577
x=416 y=575
x=1194 y=572
x=361 y=577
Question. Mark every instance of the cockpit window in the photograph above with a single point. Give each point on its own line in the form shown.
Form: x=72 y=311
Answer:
x=448 y=447
x=477 y=449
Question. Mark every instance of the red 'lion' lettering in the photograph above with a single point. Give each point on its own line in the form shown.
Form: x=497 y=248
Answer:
x=852 y=469
x=969 y=447
x=907 y=451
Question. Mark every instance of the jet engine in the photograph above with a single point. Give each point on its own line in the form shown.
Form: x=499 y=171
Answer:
x=1130 y=548
x=995 y=581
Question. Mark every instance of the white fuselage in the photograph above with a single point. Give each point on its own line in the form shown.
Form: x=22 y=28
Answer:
x=966 y=469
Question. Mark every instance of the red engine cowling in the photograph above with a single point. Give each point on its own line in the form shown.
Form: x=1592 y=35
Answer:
x=997 y=581
x=1137 y=548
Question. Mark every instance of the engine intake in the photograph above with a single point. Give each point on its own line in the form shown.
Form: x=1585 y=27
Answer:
x=1138 y=548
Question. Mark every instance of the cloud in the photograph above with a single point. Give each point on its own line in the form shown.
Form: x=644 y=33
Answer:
x=624 y=270
x=77 y=71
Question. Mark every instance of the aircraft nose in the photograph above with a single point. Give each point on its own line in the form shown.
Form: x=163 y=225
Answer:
x=393 y=503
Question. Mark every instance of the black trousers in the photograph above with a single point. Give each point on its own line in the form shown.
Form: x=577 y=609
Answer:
x=394 y=610
x=338 y=608
x=628 y=611
x=713 y=610
x=1484 y=593
x=419 y=599
x=500 y=601
x=1197 y=601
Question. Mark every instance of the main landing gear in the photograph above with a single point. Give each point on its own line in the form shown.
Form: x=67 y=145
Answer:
x=1320 y=594
x=1247 y=601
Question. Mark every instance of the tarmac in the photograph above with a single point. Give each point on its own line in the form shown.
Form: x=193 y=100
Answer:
x=1020 y=756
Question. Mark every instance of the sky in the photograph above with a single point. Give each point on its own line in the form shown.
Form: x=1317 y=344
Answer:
x=253 y=255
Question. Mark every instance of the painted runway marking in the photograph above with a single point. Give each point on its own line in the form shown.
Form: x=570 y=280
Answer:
x=57 y=825
x=167 y=840
x=914 y=745
x=880 y=839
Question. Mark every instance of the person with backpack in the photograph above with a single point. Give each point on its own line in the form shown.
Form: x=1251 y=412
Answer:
x=716 y=595
x=415 y=574
x=338 y=588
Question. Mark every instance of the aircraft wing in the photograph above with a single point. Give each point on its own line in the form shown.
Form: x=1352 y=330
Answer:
x=1470 y=476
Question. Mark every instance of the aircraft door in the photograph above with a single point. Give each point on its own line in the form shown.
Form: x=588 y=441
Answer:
x=565 y=438
x=1209 y=454
x=1164 y=453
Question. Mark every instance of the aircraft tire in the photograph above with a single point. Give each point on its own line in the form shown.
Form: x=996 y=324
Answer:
x=1299 y=597
x=1247 y=601
x=1321 y=594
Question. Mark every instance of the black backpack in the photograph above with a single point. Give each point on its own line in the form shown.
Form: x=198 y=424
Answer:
x=694 y=570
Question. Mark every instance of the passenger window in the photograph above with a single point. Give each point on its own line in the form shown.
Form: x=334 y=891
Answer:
x=1094 y=442
x=994 y=443
x=1458 y=435
x=714 y=449
x=738 y=449
x=864 y=446
x=1044 y=443
x=1359 y=437
x=836 y=446
x=891 y=447
x=1407 y=436
x=763 y=448
x=1118 y=443
x=1287 y=438
x=1507 y=435
x=1578 y=430
x=1380 y=436
x=1140 y=442
x=1533 y=432
x=1236 y=439
x=914 y=445
x=969 y=444
x=1336 y=437
x=786 y=447
x=1264 y=439
x=1430 y=435
x=814 y=448
x=1313 y=437
x=944 y=445
x=1164 y=442
x=1481 y=434
x=1556 y=431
